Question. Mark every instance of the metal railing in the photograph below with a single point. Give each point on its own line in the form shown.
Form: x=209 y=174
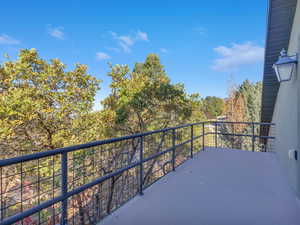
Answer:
x=82 y=184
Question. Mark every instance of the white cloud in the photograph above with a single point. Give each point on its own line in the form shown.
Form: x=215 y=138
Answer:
x=102 y=56
x=142 y=36
x=57 y=32
x=163 y=50
x=126 y=42
x=7 y=40
x=231 y=58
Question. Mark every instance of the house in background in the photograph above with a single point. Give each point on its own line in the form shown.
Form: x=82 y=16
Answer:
x=281 y=100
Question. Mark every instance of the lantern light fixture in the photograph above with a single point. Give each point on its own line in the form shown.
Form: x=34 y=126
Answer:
x=285 y=66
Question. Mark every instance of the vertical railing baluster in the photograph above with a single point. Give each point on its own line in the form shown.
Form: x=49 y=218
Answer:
x=232 y=136
x=192 y=141
x=53 y=189
x=73 y=187
x=173 y=146
x=203 y=135
x=22 y=222
x=39 y=189
x=216 y=135
x=141 y=166
x=1 y=196
x=64 y=187
x=253 y=138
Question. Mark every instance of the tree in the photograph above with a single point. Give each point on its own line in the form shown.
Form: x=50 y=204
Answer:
x=42 y=107
x=242 y=104
x=145 y=99
x=198 y=108
x=213 y=106
x=252 y=95
x=38 y=102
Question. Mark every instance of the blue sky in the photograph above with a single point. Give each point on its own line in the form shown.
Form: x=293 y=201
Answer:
x=200 y=43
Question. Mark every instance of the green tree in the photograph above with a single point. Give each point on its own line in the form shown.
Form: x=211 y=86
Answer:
x=39 y=101
x=145 y=99
x=198 y=108
x=252 y=95
x=213 y=106
x=243 y=104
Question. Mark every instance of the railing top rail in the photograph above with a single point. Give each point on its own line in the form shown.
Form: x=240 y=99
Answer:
x=238 y=122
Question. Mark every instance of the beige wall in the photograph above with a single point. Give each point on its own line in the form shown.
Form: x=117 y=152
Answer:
x=287 y=114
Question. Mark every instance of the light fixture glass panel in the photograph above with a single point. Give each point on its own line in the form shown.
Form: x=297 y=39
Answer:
x=285 y=71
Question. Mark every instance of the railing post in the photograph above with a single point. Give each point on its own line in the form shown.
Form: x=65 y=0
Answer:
x=192 y=140
x=253 y=138
x=216 y=135
x=64 y=187
x=141 y=166
x=232 y=144
x=203 y=135
x=173 y=146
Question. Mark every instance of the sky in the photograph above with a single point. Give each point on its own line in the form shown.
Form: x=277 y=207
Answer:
x=202 y=44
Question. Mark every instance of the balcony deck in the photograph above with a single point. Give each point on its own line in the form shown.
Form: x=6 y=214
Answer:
x=217 y=187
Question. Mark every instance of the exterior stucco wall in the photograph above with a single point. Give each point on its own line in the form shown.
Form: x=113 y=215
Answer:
x=287 y=114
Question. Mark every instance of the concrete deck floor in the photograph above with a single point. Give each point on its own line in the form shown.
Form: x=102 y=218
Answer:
x=217 y=187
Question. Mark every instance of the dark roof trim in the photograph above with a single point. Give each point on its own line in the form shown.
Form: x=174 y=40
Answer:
x=280 y=21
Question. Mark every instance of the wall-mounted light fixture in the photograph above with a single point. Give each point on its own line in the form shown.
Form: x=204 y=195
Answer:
x=285 y=66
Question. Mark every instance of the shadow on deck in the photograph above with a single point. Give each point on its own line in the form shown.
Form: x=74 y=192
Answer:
x=217 y=187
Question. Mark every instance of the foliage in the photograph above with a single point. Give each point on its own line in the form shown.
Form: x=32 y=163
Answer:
x=39 y=100
x=197 y=106
x=213 y=106
x=40 y=107
x=251 y=93
x=242 y=104
x=145 y=99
